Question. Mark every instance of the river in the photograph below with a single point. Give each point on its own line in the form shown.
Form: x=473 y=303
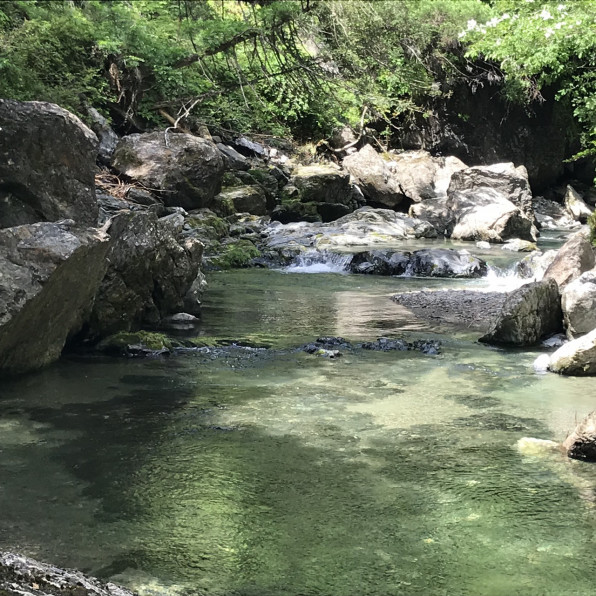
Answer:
x=265 y=471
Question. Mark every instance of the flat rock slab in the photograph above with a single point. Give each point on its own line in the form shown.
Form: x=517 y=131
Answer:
x=462 y=308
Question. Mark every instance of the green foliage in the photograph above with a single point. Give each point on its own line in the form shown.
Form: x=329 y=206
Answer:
x=282 y=67
x=543 y=44
x=49 y=55
x=394 y=55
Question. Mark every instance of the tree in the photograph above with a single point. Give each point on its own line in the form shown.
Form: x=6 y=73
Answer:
x=543 y=44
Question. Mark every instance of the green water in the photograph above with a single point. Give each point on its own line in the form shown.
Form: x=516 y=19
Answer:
x=273 y=472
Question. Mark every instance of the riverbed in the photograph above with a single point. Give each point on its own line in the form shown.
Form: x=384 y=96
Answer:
x=259 y=469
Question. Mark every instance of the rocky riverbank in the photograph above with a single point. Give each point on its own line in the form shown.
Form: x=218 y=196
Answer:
x=123 y=247
x=22 y=576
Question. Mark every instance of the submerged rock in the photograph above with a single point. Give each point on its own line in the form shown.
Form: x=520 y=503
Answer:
x=529 y=314
x=47 y=165
x=324 y=346
x=49 y=275
x=581 y=443
x=22 y=576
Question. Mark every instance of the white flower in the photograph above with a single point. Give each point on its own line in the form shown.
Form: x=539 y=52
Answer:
x=548 y=32
x=545 y=14
x=558 y=25
x=561 y=7
x=493 y=22
x=472 y=24
x=461 y=34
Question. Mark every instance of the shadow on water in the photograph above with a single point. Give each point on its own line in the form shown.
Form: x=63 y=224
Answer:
x=287 y=476
x=274 y=473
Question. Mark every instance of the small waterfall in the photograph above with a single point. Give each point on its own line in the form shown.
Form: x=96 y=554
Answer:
x=503 y=279
x=320 y=262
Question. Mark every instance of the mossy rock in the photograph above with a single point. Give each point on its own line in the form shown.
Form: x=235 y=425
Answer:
x=230 y=180
x=248 y=341
x=235 y=255
x=211 y=225
x=266 y=180
x=127 y=343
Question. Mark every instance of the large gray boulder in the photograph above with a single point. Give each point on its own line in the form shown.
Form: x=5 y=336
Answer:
x=576 y=357
x=374 y=177
x=529 y=314
x=49 y=275
x=578 y=301
x=185 y=170
x=575 y=257
x=486 y=214
x=47 y=165
x=421 y=176
x=581 y=443
x=511 y=182
x=392 y=179
x=435 y=212
x=576 y=206
x=415 y=173
x=151 y=270
x=240 y=199
x=322 y=184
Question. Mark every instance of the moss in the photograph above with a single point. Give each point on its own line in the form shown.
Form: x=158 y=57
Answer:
x=231 y=180
x=120 y=343
x=127 y=157
x=236 y=255
x=216 y=224
x=223 y=205
x=260 y=176
x=250 y=341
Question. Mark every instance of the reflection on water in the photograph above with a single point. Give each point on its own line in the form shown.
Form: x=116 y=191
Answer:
x=273 y=472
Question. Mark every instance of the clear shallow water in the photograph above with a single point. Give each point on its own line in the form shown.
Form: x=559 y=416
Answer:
x=272 y=472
